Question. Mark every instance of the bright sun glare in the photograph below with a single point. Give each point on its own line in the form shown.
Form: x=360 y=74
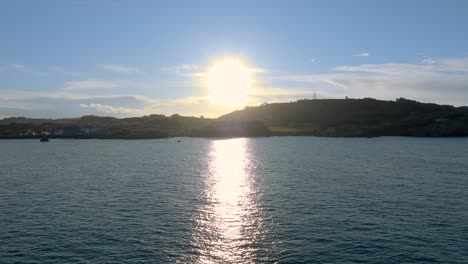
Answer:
x=228 y=81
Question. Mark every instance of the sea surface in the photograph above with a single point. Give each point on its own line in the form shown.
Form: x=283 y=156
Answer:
x=262 y=200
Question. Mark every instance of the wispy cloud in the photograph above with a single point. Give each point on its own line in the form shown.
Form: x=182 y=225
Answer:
x=19 y=68
x=60 y=70
x=260 y=95
x=431 y=80
x=190 y=100
x=109 y=109
x=442 y=80
x=363 y=54
x=66 y=104
x=182 y=69
x=428 y=61
x=14 y=104
x=53 y=70
x=89 y=84
x=74 y=103
x=120 y=69
x=71 y=103
x=13 y=95
x=265 y=92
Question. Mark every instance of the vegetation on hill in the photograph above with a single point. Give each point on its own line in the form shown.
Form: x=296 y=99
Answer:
x=358 y=117
x=319 y=117
x=152 y=126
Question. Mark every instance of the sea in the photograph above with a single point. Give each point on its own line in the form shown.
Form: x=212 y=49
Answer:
x=243 y=200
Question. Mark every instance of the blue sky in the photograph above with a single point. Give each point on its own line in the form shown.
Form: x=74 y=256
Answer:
x=131 y=58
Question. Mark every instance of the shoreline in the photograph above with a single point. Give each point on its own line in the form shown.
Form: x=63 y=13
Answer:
x=220 y=137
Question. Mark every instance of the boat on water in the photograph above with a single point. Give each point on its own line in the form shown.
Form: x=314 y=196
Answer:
x=44 y=138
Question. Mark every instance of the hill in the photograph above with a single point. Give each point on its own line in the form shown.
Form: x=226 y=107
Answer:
x=151 y=126
x=358 y=117
x=320 y=117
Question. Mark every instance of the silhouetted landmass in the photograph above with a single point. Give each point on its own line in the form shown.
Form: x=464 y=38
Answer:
x=319 y=117
x=152 y=126
x=358 y=118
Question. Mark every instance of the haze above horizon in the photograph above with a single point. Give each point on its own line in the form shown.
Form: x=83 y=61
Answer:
x=126 y=58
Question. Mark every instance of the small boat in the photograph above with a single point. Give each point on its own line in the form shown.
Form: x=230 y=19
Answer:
x=44 y=138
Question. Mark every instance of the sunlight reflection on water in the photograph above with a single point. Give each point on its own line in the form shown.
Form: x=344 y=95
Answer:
x=229 y=222
x=257 y=200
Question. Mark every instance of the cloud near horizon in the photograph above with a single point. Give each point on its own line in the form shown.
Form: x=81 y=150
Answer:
x=75 y=103
x=109 y=109
x=89 y=85
x=430 y=80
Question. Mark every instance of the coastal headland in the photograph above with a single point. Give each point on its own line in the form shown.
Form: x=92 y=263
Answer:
x=308 y=117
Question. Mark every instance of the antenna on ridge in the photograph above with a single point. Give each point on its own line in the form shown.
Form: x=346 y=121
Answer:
x=314 y=96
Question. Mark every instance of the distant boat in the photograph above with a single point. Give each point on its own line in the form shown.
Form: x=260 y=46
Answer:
x=44 y=138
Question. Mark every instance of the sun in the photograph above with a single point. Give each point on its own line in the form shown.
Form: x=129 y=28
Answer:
x=228 y=81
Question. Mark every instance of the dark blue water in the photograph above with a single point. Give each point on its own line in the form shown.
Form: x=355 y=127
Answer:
x=285 y=200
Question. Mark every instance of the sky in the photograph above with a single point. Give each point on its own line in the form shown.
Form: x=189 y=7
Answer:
x=135 y=58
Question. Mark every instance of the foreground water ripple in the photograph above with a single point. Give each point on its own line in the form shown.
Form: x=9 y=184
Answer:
x=265 y=200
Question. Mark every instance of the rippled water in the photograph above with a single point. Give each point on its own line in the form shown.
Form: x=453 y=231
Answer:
x=286 y=200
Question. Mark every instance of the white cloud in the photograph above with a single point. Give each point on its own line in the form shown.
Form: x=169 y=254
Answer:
x=120 y=68
x=364 y=54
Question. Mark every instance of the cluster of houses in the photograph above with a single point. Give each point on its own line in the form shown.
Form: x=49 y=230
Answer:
x=67 y=131
x=76 y=131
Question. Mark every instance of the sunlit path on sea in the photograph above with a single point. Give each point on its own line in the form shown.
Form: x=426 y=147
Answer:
x=256 y=200
x=229 y=224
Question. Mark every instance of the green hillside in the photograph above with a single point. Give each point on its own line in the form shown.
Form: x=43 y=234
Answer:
x=358 y=117
x=322 y=117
